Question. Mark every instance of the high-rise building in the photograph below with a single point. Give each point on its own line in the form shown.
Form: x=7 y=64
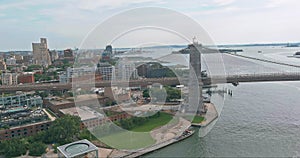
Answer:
x=107 y=53
x=109 y=49
x=53 y=55
x=68 y=53
x=126 y=71
x=41 y=55
x=107 y=71
x=27 y=59
x=78 y=74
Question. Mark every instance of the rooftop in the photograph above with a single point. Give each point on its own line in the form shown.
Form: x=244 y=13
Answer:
x=84 y=112
x=77 y=148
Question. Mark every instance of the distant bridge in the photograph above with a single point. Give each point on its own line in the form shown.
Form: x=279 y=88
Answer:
x=234 y=79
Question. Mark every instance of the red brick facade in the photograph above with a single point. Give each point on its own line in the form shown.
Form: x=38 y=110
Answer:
x=26 y=130
x=26 y=78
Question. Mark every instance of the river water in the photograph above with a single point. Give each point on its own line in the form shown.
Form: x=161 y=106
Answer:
x=259 y=120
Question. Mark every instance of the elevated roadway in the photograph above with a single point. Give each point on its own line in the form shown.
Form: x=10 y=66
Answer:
x=235 y=79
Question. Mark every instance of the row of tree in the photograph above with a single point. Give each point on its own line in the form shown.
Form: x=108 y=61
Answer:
x=166 y=93
x=128 y=124
x=132 y=122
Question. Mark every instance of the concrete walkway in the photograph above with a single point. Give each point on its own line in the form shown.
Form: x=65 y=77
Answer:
x=210 y=115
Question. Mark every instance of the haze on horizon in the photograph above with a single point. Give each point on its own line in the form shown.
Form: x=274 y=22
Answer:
x=66 y=23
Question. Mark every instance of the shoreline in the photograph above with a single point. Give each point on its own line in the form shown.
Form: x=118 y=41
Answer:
x=164 y=136
x=210 y=116
x=163 y=141
x=159 y=145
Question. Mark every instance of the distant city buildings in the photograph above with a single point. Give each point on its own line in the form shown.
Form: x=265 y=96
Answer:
x=68 y=53
x=27 y=59
x=9 y=78
x=2 y=65
x=152 y=70
x=107 y=71
x=26 y=77
x=41 y=55
x=126 y=70
x=53 y=55
x=107 y=53
x=11 y=61
x=81 y=73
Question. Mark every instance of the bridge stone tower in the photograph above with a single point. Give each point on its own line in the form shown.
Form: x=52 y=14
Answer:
x=195 y=58
x=195 y=75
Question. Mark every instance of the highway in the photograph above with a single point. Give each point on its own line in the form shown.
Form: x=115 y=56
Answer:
x=268 y=77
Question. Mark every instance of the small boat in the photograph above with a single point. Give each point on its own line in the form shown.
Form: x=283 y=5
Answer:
x=297 y=55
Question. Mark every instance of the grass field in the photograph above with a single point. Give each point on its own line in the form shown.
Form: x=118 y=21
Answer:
x=198 y=119
x=139 y=136
x=128 y=140
x=153 y=123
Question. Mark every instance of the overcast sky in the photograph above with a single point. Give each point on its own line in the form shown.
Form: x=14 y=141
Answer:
x=67 y=22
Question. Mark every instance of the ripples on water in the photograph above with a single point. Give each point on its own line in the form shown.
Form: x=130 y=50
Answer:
x=259 y=120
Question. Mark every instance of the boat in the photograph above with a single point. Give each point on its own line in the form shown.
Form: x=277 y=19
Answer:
x=187 y=133
x=297 y=55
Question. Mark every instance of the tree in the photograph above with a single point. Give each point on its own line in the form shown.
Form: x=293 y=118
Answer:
x=33 y=67
x=63 y=130
x=146 y=93
x=108 y=103
x=86 y=134
x=13 y=148
x=173 y=93
x=37 y=148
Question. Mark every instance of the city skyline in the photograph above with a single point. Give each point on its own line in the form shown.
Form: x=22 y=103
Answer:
x=66 y=24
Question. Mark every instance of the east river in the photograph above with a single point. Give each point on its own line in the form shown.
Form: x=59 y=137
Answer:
x=259 y=120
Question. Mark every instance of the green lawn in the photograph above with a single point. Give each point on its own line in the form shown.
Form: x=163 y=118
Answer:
x=138 y=137
x=198 y=119
x=153 y=123
x=128 y=140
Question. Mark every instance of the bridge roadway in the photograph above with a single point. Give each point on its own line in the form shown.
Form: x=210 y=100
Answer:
x=268 y=77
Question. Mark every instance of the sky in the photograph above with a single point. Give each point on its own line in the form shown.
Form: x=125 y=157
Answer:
x=67 y=23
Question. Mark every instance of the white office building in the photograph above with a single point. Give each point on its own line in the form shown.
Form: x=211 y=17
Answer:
x=76 y=72
x=126 y=70
x=107 y=71
x=9 y=79
x=11 y=61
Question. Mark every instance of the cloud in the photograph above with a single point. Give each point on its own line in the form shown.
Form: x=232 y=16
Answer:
x=275 y=3
x=68 y=21
x=110 y=4
x=223 y=2
x=282 y=3
x=218 y=11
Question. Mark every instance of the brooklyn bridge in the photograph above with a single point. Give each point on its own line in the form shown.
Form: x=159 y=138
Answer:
x=234 y=79
x=195 y=50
